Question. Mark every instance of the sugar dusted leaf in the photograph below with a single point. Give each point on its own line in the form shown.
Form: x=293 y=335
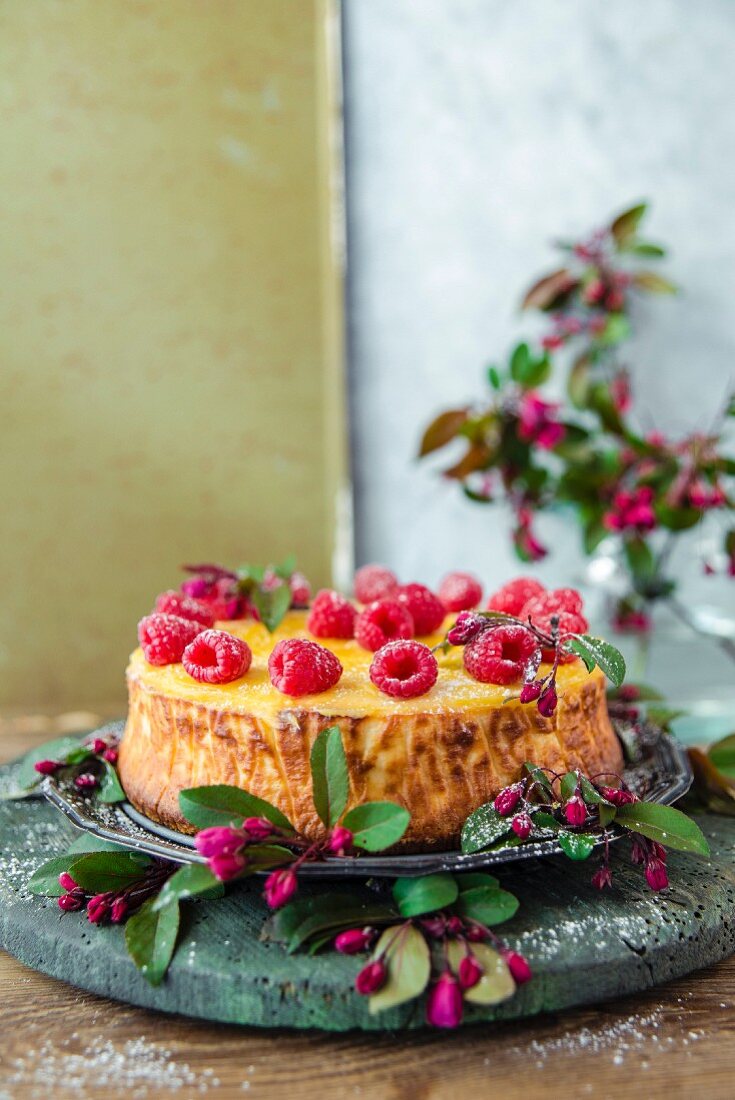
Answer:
x=482 y=828
x=576 y=846
x=59 y=749
x=189 y=881
x=596 y=651
x=425 y=894
x=664 y=824
x=272 y=604
x=45 y=879
x=110 y=789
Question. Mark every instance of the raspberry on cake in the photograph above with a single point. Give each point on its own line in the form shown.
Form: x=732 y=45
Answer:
x=425 y=608
x=513 y=596
x=374 y=582
x=382 y=621
x=164 y=638
x=501 y=655
x=460 y=592
x=331 y=616
x=564 y=604
x=216 y=657
x=178 y=603
x=298 y=667
x=404 y=669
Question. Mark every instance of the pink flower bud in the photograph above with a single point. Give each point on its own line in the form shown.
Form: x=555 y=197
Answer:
x=257 y=828
x=86 y=781
x=119 y=910
x=371 y=978
x=98 y=907
x=475 y=934
x=602 y=877
x=522 y=825
x=469 y=972
x=340 y=840
x=658 y=851
x=110 y=755
x=279 y=887
x=455 y=925
x=507 y=800
x=435 y=926
x=637 y=852
x=98 y=746
x=67 y=881
x=228 y=865
x=467 y=627
x=617 y=796
x=547 y=701
x=47 y=767
x=520 y=971
x=219 y=840
x=70 y=903
x=655 y=873
x=444 y=1006
x=575 y=811
x=629 y=693
x=300 y=590
x=531 y=691
x=354 y=940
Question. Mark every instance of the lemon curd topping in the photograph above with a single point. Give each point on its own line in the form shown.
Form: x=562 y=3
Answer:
x=353 y=696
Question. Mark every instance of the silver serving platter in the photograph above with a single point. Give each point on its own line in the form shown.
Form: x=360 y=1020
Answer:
x=661 y=773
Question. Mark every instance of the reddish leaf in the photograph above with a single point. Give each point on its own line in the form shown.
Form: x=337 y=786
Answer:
x=476 y=458
x=442 y=430
x=548 y=290
x=650 y=280
x=625 y=225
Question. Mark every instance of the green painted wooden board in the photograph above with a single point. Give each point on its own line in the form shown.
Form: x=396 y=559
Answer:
x=583 y=946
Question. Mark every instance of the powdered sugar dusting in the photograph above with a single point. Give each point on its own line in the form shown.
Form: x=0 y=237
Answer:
x=138 y=1067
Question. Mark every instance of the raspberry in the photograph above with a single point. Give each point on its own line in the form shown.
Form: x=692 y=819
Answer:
x=382 y=621
x=175 y=603
x=513 y=596
x=566 y=605
x=500 y=655
x=460 y=592
x=547 y=603
x=331 y=616
x=374 y=582
x=299 y=667
x=224 y=600
x=216 y=657
x=165 y=637
x=427 y=611
x=404 y=669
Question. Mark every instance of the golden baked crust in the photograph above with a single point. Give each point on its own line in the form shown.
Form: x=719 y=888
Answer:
x=441 y=755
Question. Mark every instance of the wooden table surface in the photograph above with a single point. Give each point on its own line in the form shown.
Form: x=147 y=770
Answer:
x=677 y=1041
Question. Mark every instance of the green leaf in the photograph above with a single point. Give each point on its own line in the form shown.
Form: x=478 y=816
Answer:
x=539 y=777
x=45 y=879
x=596 y=651
x=664 y=824
x=221 y=804
x=576 y=845
x=110 y=789
x=626 y=224
x=442 y=430
x=496 y=983
x=663 y=716
x=79 y=755
x=590 y=794
x=469 y=879
x=330 y=778
x=579 y=382
x=150 y=937
x=487 y=904
x=607 y=814
x=482 y=828
x=272 y=604
x=677 y=519
x=376 y=825
x=652 y=281
x=306 y=917
x=528 y=371
x=493 y=377
x=640 y=558
x=415 y=896
x=59 y=749
x=286 y=568
x=568 y=785
x=406 y=955
x=544 y=820
x=98 y=872
x=189 y=881
x=722 y=754
x=647 y=248
x=519 y=361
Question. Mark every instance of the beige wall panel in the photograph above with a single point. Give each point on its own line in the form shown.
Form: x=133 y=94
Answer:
x=170 y=354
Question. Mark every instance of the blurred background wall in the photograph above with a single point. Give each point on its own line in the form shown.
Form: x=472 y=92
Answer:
x=170 y=360
x=477 y=131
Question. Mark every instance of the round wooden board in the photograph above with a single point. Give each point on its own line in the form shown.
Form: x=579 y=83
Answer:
x=583 y=946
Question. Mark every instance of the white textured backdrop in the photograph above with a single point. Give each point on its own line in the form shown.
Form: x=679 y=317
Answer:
x=476 y=131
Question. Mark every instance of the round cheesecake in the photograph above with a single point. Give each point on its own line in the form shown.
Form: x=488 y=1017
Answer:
x=440 y=755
